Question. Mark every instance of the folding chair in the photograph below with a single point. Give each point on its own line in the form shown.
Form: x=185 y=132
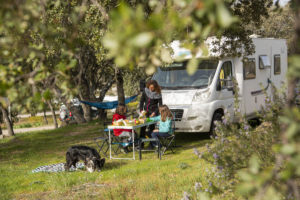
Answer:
x=168 y=141
x=104 y=140
x=114 y=139
x=148 y=140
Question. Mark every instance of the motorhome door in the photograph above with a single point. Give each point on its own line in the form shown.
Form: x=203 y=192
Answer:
x=226 y=96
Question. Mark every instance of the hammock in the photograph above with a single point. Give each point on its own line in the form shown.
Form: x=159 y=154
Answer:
x=108 y=105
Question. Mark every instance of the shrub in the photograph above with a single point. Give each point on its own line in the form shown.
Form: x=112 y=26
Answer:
x=234 y=144
x=26 y=125
x=133 y=104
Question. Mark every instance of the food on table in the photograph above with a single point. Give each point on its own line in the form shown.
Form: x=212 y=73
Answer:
x=129 y=123
x=136 y=121
x=118 y=123
x=143 y=121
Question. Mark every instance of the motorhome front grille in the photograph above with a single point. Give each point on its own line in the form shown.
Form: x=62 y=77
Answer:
x=178 y=114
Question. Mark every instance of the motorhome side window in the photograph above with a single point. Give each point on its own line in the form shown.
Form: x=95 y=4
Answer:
x=277 y=64
x=226 y=71
x=249 y=69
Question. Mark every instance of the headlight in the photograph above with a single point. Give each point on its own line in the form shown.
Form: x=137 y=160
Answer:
x=202 y=95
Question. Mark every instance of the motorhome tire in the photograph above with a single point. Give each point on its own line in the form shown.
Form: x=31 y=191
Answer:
x=216 y=117
x=258 y=121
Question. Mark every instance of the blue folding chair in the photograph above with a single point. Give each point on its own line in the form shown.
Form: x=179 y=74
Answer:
x=169 y=141
x=105 y=140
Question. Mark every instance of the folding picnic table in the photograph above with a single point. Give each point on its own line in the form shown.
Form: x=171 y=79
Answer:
x=126 y=127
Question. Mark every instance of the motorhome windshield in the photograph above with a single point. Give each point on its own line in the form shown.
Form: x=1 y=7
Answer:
x=175 y=75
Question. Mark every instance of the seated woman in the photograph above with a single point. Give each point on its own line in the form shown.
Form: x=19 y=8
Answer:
x=120 y=114
x=165 y=125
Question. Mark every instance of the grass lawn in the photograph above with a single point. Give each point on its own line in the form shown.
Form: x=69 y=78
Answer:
x=120 y=179
x=29 y=122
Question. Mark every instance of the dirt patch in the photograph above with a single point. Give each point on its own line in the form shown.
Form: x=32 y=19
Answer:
x=74 y=133
x=87 y=185
x=61 y=153
x=39 y=195
x=90 y=189
x=83 y=129
x=17 y=152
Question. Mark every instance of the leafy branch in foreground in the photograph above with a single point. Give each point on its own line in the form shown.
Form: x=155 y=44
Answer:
x=236 y=143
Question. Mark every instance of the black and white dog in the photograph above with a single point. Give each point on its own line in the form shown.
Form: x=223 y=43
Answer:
x=91 y=158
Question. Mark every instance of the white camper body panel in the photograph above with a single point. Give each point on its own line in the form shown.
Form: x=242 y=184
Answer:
x=193 y=116
x=253 y=97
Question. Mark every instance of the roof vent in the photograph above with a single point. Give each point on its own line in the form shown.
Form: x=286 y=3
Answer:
x=255 y=36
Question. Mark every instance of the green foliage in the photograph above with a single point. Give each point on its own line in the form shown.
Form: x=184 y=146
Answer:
x=236 y=143
x=277 y=181
x=279 y=24
x=27 y=125
x=58 y=46
x=132 y=80
x=141 y=41
x=132 y=104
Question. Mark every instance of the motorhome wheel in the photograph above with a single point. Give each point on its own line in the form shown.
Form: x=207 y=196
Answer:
x=216 y=117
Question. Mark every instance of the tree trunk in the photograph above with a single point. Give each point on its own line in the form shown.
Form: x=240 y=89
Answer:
x=120 y=89
x=9 y=111
x=87 y=112
x=75 y=111
x=10 y=131
x=0 y=130
x=102 y=114
x=53 y=114
x=45 y=117
x=84 y=94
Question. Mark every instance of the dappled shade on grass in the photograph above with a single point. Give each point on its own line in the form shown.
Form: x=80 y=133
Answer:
x=133 y=179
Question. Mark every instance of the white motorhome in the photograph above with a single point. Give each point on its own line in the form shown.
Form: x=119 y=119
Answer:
x=200 y=99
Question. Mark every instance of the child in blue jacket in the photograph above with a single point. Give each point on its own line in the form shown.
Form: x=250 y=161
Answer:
x=165 y=124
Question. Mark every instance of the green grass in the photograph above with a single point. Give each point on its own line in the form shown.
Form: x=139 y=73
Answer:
x=147 y=179
x=32 y=122
x=28 y=125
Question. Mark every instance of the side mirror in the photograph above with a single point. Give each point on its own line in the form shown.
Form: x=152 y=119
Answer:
x=229 y=88
x=229 y=83
x=142 y=85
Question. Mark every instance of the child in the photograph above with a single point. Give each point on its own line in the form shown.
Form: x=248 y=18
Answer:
x=120 y=114
x=165 y=124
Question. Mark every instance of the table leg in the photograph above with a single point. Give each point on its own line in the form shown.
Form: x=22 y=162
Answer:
x=133 y=144
x=109 y=143
x=140 y=151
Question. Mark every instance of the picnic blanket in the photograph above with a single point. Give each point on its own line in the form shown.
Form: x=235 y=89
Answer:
x=56 y=168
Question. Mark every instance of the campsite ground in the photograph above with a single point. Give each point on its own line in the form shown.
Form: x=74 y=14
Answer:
x=119 y=179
